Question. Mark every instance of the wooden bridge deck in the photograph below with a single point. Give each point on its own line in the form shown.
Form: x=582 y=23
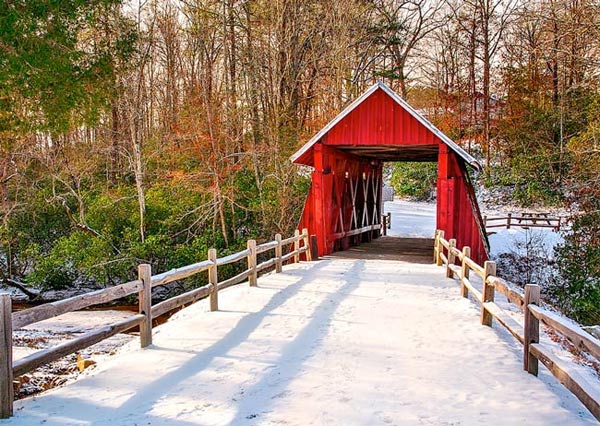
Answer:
x=413 y=250
x=335 y=342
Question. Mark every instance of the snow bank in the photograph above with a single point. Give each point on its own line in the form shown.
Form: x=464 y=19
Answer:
x=334 y=342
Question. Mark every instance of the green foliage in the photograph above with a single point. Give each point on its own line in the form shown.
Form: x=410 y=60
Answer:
x=49 y=69
x=577 y=289
x=415 y=180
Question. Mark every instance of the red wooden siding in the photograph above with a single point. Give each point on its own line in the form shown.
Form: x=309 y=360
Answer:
x=379 y=120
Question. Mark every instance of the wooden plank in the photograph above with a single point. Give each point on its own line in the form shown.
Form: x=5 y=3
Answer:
x=445 y=243
x=297 y=236
x=476 y=293
x=454 y=270
x=579 y=337
x=235 y=257
x=488 y=292
x=451 y=258
x=213 y=280
x=588 y=393
x=233 y=280
x=145 y=304
x=266 y=247
x=507 y=321
x=265 y=265
x=307 y=248
x=440 y=248
x=50 y=310
x=531 y=328
x=464 y=271
x=514 y=296
x=475 y=267
x=444 y=259
x=6 y=370
x=496 y=226
x=252 y=277
x=177 y=301
x=457 y=253
x=278 y=254
x=290 y=255
x=290 y=240
x=180 y=273
x=45 y=356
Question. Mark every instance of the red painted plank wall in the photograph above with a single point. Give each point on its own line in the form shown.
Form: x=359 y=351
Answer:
x=379 y=120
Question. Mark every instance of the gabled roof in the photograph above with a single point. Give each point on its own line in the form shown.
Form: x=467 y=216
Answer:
x=380 y=85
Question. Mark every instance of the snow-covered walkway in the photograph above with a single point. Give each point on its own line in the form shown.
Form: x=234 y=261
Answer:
x=334 y=342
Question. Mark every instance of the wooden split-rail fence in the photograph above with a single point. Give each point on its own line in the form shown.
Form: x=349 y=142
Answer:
x=9 y=321
x=523 y=220
x=446 y=253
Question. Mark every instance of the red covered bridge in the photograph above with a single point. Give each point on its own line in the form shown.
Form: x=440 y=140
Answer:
x=344 y=204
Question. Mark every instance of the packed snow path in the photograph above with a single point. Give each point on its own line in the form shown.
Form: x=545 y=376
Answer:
x=334 y=342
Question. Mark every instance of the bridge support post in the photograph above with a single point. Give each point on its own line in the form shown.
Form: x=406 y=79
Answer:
x=213 y=280
x=531 y=329
x=6 y=359
x=451 y=258
x=297 y=246
x=252 y=278
x=278 y=254
x=487 y=294
x=145 y=304
x=464 y=272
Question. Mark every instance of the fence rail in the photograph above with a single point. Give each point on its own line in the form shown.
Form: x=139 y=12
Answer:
x=9 y=321
x=446 y=254
x=523 y=220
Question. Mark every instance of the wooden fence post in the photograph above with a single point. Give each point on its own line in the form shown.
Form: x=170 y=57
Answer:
x=278 y=253
x=6 y=359
x=213 y=280
x=314 y=248
x=145 y=304
x=487 y=294
x=435 y=245
x=508 y=220
x=296 y=246
x=389 y=220
x=451 y=258
x=252 y=278
x=440 y=249
x=307 y=253
x=384 y=225
x=464 y=271
x=531 y=328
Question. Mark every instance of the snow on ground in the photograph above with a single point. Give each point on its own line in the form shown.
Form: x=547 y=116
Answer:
x=514 y=240
x=411 y=218
x=54 y=331
x=333 y=342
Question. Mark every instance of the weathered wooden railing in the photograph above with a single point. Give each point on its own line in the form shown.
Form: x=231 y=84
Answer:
x=10 y=321
x=446 y=253
x=523 y=220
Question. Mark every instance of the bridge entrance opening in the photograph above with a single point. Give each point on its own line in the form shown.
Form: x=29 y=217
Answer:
x=344 y=205
x=409 y=199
